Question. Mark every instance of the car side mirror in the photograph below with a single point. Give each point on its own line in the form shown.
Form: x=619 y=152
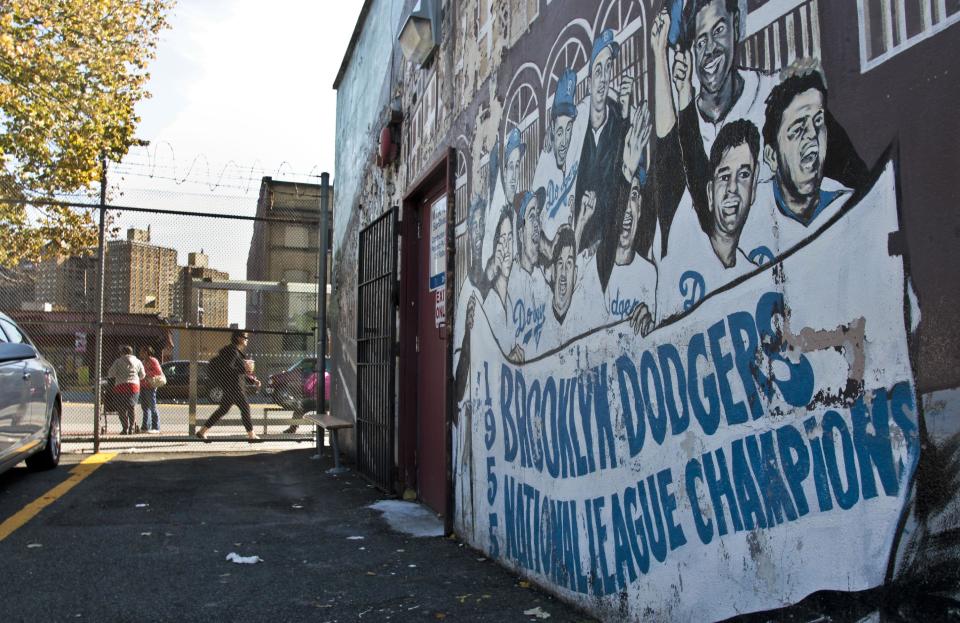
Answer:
x=16 y=352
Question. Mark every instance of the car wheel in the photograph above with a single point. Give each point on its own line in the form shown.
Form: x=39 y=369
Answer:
x=215 y=394
x=49 y=457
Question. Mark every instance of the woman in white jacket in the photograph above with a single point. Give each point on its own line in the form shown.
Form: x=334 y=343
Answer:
x=127 y=372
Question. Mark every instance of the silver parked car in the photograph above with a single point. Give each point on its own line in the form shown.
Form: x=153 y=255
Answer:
x=29 y=402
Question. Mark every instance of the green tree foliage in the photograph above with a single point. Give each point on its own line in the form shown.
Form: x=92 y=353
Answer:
x=71 y=72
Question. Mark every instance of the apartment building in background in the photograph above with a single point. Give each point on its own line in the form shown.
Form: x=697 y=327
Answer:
x=66 y=283
x=196 y=305
x=140 y=276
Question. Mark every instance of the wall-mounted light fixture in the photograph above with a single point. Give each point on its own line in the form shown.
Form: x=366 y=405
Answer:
x=420 y=34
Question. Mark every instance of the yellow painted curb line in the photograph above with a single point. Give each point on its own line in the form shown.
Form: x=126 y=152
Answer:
x=77 y=475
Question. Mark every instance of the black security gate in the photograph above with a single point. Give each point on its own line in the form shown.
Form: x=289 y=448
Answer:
x=376 y=352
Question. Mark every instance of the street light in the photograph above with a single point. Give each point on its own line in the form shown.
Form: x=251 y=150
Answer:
x=420 y=33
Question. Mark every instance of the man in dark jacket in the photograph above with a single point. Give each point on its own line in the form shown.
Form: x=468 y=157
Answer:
x=229 y=373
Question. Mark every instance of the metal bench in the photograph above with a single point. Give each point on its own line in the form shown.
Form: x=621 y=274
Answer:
x=331 y=424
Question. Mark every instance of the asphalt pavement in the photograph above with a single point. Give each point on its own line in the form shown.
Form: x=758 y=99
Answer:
x=145 y=537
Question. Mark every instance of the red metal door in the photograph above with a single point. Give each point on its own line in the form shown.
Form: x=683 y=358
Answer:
x=431 y=375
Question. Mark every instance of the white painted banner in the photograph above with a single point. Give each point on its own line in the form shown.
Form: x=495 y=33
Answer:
x=756 y=449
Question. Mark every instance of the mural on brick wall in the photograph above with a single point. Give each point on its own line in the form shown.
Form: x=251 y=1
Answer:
x=683 y=329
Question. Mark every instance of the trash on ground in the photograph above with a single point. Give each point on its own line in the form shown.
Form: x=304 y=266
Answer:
x=538 y=612
x=524 y=584
x=409 y=518
x=354 y=538
x=141 y=505
x=243 y=560
x=34 y=545
x=146 y=533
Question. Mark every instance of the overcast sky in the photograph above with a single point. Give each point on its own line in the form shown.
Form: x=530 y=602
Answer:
x=241 y=89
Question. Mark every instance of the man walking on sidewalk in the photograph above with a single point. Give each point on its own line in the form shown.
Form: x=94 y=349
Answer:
x=228 y=369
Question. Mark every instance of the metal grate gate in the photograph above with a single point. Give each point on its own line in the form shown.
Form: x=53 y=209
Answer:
x=376 y=338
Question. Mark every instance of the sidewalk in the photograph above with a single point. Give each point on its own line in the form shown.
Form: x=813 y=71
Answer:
x=147 y=536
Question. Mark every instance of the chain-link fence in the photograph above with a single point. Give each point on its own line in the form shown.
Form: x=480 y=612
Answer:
x=185 y=280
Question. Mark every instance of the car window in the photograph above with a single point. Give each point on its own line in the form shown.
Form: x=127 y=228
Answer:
x=14 y=335
x=308 y=364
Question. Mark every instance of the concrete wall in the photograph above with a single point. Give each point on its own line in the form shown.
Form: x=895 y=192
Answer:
x=363 y=97
x=705 y=345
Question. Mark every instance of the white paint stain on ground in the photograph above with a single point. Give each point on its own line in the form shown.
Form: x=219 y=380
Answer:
x=537 y=612
x=243 y=560
x=409 y=518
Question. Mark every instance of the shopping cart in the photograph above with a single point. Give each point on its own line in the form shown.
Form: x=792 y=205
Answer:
x=108 y=404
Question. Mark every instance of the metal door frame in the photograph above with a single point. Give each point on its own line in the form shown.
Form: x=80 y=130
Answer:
x=376 y=352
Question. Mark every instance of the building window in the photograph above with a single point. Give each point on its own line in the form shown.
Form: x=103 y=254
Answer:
x=296 y=237
x=888 y=27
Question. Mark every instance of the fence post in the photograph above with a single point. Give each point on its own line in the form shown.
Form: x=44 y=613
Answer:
x=323 y=239
x=192 y=384
x=101 y=261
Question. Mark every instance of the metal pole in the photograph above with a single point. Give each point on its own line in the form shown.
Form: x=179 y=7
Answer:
x=101 y=261
x=322 y=298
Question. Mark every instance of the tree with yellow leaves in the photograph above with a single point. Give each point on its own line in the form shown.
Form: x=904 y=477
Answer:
x=71 y=72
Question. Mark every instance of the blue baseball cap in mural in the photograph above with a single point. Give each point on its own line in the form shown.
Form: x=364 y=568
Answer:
x=641 y=173
x=563 y=104
x=523 y=201
x=676 y=22
x=604 y=40
x=514 y=142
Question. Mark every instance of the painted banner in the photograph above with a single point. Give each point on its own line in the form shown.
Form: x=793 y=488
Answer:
x=756 y=448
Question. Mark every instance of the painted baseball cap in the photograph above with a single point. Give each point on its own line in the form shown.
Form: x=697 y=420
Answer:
x=514 y=142
x=604 y=40
x=676 y=23
x=641 y=174
x=524 y=200
x=563 y=103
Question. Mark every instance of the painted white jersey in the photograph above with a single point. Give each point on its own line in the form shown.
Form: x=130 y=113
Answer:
x=495 y=311
x=691 y=269
x=629 y=286
x=770 y=231
x=530 y=298
x=559 y=184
